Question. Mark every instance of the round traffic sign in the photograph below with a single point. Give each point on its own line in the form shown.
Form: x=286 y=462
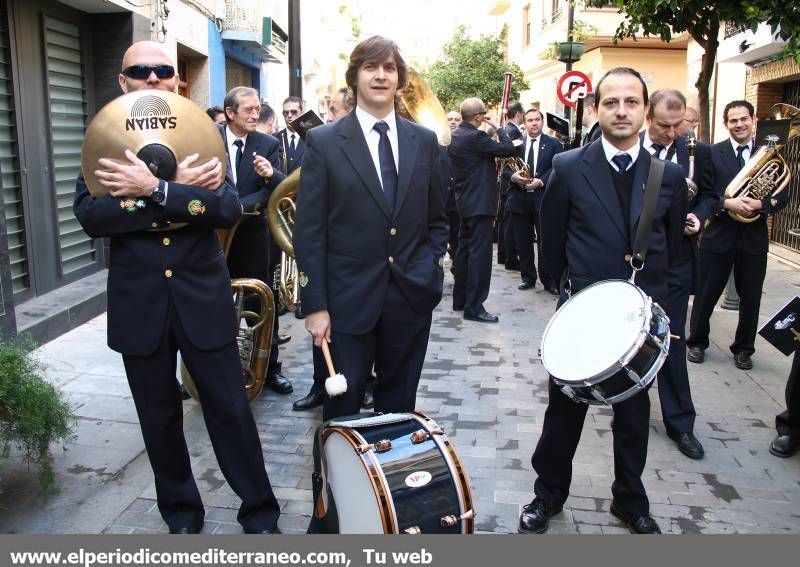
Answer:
x=573 y=85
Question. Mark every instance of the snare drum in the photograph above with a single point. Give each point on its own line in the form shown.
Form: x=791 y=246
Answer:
x=393 y=473
x=606 y=343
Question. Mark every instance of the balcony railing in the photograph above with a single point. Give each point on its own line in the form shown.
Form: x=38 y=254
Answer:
x=556 y=14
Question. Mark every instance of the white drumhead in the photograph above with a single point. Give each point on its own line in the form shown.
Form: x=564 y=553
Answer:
x=356 y=501
x=593 y=330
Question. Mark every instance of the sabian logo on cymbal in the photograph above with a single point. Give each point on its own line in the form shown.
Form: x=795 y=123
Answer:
x=151 y=113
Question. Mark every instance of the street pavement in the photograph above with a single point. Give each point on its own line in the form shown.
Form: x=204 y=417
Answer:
x=484 y=384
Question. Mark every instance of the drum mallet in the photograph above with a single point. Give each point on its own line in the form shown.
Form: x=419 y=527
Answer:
x=335 y=384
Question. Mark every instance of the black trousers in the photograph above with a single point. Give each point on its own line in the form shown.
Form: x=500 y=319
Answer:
x=788 y=422
x=474 y=264
x=321 y=371
x=500 y=230
x=713 y=271
x=510 y=255
x=548 y=281
x=396 y=347
x=452 y=243
x=231 y=428
x=563 y=423
x=524 y=235
x=674 y=393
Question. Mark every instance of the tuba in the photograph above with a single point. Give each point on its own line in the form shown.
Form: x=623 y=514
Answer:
x=420 y=105
x=280 y=217
x=767 y=173
x=254 y=337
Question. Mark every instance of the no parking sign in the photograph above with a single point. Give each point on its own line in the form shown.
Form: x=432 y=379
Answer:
x=572 y=86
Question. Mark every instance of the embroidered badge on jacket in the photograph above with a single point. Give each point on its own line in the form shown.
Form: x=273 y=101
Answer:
x=196 y=207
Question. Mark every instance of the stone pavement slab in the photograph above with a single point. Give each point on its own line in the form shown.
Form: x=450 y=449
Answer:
x=485 y=385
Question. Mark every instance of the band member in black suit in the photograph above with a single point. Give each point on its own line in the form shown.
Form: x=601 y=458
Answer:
x=788 y=422
x=589 y=217
x=292 y=146
x=661 y=139
x=526 y=197
x=453 y=120
x=506 y=245
x=472 y=156
x=255 y=166
x=591 y=127
x=169 y=291
x=728 y=243
x=266 y=120
x=370 y=236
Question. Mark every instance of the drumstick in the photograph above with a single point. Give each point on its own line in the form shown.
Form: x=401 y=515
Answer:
x=335 y=384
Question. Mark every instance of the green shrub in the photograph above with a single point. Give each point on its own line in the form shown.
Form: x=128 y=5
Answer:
x=33 y=413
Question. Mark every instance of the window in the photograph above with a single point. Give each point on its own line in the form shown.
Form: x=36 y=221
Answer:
x=183 y=73
x=526 y=26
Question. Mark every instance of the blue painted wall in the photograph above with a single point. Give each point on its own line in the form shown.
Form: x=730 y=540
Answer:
x=216 y=63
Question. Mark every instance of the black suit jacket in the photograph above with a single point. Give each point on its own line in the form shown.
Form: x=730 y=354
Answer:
x=724 y=233
x=347 y=239
x=519 y=200
x=472 y=165
x=249 y=252
x=296 y=161
x=584 y=235
x=139 y=291
x=514 y=133
x=593 y=133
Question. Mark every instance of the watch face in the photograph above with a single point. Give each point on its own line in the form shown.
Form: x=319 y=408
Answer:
x=157 y=195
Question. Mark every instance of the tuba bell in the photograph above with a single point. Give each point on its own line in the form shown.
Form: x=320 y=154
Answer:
x=767 y=173
x=280 y=217
x=254 y=336
x=420 y=105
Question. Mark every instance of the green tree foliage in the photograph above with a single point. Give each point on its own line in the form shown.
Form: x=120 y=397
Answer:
x=702 y=20
x=473 y=68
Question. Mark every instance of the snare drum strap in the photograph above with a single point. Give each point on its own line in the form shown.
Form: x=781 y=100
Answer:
x=652 y=188
x=329 y=522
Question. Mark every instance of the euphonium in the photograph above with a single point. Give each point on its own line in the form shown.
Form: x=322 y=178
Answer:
x=254 y=341
x=280 y=217
x=691 y=144
x=516 y=165
x=767 y=173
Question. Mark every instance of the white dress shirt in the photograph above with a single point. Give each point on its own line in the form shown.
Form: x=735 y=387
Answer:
x=612 y=151
x=367 y=122
x=647 y=144
x=747 y=151
x=230 y=138
x=532 y=145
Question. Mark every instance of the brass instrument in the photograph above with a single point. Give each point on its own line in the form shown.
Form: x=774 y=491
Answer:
x=691 y=144
x=254 y=341
x=280 y=217
x=421 y=106
x=516 y=165
x=767 y=173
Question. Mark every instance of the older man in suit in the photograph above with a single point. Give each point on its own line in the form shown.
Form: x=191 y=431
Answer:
x=370 y=236
x=661 y=139
x=472 y=156
x=525 y=198
x=169 y=291
x=256 y=172
x=590 y=214
x=728 y=243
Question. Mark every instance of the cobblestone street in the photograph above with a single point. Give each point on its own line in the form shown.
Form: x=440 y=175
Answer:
x=486 y=386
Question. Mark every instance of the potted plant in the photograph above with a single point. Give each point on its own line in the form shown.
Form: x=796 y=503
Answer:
x=33 y=413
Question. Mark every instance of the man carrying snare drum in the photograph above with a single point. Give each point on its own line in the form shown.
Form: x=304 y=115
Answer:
x=589 y=216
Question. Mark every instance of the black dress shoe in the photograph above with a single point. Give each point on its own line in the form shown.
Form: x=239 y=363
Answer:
x=185 y=530
x=265 y=531
x=368 y=402
x=279 y=383
x=742 y=361
x=535 y=517
x=512 y=266
x=639 y=525
x=687 y=444
x=458 y=308
x=784 y=446
x=298 y=313
x=312 y=400
x=283 y=339
x=482 y=317
x=551 y=290
x=185 y=395
x=526 y=285
x=695 y=354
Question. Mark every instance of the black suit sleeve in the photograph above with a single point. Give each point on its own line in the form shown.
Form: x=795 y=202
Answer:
x=485 y=146
x=311 y=227
x=438 y=226
x=708 y=201
x=553 y=215
x=556 y=148
x=676 y=217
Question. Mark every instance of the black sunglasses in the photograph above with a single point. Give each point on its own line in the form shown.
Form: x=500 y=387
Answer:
x=142 y=72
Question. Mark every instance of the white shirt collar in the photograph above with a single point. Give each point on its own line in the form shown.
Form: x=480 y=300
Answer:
x=736 y=145
x=230 y=137
x=647 y=143
x=367 y=121
x=611 y=151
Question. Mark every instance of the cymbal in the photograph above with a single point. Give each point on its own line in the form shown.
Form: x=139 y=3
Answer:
x=162 y=128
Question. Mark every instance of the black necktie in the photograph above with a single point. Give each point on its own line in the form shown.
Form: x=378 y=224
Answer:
x=671 y=152
x=740 y=155
x=531 y=158
x=657 y=149
x=239 y=153
x=622 y=161
x=292 y=146
x=386 y=158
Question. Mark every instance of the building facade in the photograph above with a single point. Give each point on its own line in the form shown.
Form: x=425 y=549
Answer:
x=58 y=66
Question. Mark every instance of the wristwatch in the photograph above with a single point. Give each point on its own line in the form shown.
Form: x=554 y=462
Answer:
x=158 y=195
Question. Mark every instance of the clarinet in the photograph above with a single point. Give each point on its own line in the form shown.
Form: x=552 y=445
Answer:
x=691 y=144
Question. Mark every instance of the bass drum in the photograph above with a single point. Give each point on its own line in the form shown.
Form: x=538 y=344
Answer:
x=606 y=343
x=391 y=474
